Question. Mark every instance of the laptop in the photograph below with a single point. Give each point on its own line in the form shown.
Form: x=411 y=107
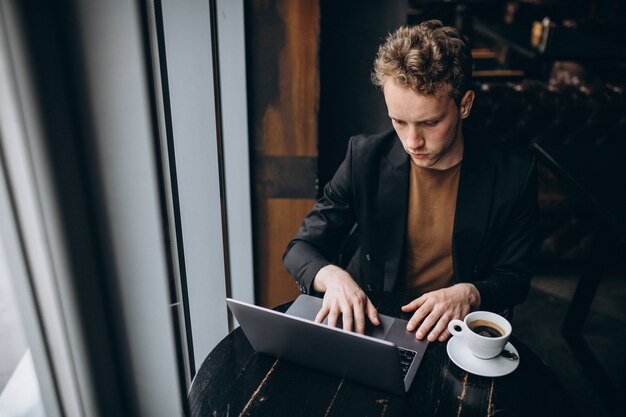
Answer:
x=386 y=357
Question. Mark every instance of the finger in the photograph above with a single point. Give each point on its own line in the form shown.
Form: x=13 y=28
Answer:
x=441 y=326
x=427 y=324
x=332 y=317
x=418 y=317
x=359 y=319
x=414 y=305
x=372 y=313
x=346 y=317
x=321 y=315
x=444 y=336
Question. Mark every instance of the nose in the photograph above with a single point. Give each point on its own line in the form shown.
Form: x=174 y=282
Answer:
x=415 y=137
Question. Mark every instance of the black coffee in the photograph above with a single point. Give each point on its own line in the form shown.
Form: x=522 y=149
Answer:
x=486 y=328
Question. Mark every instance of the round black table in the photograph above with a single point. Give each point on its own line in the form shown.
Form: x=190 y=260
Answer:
x=235 y=381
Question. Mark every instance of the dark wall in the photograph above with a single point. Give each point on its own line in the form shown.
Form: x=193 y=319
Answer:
x=350 y=33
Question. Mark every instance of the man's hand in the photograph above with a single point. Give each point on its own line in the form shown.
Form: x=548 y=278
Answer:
x=435 y=309
x=343 y=297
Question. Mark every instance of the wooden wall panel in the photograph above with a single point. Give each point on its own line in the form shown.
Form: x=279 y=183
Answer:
x=289 y=125
x=282 y=39
x=280 y=219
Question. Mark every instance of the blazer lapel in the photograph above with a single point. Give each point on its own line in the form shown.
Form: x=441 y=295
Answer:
x=392 y=210
x=473 y=209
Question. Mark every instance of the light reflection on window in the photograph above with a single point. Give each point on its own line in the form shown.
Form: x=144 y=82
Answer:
x=19 y=389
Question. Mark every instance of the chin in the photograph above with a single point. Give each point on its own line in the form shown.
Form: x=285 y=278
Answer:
x=424 y=163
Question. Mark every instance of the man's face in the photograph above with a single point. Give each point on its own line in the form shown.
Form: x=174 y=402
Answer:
x=428 y=126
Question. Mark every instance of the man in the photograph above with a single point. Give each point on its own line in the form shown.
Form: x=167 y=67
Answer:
x=441 y=213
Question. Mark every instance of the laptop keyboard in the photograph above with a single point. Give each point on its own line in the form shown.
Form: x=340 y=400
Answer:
x=406 y=358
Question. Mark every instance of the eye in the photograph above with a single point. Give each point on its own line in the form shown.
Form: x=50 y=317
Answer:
x=398 y=122
x=431 y=123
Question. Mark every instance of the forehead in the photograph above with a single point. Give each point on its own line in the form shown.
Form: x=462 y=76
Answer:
x=406 y=104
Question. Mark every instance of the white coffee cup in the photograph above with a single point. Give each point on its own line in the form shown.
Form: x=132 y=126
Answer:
x=495 y=328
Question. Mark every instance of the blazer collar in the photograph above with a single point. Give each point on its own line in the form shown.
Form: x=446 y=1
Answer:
x=397 y=156
x=473 y=207
x=391 y=212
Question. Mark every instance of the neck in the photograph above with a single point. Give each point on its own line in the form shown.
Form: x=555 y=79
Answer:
x=454 y=154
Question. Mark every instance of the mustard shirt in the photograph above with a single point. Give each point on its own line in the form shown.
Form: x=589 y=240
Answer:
x=430 y=220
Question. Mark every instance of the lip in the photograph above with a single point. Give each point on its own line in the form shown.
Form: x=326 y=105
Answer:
x=419 y=155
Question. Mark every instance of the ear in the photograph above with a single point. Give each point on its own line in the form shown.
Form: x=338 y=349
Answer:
x=466 y=104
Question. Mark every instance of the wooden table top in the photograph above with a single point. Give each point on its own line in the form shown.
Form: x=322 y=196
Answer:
x=235 y=381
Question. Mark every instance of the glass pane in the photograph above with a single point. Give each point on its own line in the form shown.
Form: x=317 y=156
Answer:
x=19 y=388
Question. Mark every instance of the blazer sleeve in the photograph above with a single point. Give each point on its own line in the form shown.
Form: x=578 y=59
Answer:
x=507 y=280
x=324 y=229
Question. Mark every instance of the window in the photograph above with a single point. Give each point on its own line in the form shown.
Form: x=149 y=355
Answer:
x=124 y=194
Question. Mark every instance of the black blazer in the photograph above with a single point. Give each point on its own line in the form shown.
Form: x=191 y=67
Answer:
x=493 y=233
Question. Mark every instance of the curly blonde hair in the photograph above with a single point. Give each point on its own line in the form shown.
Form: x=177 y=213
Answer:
x=424 y=58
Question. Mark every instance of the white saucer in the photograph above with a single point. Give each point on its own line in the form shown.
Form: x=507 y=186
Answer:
x=464 y=359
